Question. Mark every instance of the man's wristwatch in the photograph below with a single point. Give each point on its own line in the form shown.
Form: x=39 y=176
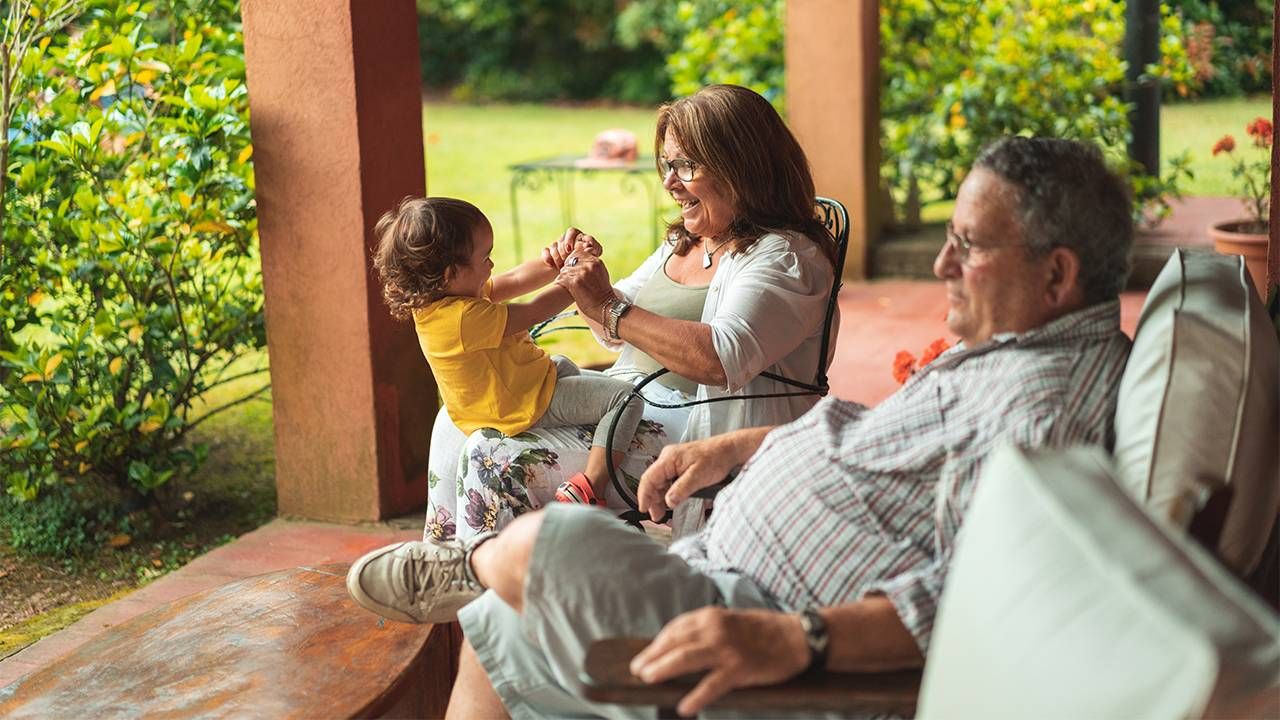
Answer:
x=816 y=637
x=614 y=309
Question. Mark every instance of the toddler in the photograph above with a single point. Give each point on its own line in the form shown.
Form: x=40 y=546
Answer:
x=433 y=260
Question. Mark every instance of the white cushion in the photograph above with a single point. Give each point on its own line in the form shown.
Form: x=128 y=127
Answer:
x=1198 y=404
x=1065 y=599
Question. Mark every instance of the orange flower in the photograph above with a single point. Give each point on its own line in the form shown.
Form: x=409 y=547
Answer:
x=1226 y=144
x=1260 y=130
x=904 y=363
x=936 y=348
x=904 y=366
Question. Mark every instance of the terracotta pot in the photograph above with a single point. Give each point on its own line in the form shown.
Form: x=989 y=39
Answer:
x=1246 y=238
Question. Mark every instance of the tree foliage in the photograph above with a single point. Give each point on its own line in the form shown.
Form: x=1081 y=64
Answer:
x=1228 y=44
x=130 y=282
x=535 y=50
x=956 y=75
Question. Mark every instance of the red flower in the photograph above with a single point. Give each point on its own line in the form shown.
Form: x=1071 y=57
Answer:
x=1226 y=144
x=904 y=363
x=904 y=366
x=936 y=348
x=1260 y=130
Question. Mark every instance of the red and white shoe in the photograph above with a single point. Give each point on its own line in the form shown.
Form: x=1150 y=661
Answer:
x=577 y=489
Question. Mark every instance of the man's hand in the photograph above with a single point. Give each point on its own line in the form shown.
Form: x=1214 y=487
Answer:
x=736 y=648
x=685 y=468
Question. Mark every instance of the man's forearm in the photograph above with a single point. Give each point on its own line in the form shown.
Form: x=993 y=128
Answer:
x=868 y=636
x=742 y=444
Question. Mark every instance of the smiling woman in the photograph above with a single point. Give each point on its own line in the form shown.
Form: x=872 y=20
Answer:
x=739 y=287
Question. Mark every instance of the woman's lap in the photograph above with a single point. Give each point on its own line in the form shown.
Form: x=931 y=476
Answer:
x=485 y=480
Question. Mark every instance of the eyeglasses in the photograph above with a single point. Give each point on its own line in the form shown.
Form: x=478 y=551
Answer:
x=684 y=168
x=963 y=245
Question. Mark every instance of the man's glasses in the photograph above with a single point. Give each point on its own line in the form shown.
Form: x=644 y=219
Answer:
x=962 y=245
x=684 y=168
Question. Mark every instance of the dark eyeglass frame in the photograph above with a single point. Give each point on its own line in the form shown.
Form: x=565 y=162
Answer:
x=964 y=245
x=684 y=168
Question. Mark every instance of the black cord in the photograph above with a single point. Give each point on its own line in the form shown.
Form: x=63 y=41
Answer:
x=633 y=515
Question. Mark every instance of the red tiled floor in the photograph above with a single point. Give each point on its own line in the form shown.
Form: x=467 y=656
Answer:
x=880 y=317
x=1188 y=226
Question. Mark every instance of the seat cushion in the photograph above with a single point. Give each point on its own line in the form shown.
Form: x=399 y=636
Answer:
x=1198 y=409
x=1065 y=599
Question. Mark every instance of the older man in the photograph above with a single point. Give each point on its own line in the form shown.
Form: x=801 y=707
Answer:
x=831 y=547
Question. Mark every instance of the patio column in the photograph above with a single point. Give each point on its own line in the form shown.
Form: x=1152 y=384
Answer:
x=1273 y=246
x=336 y=118
x=833 y=106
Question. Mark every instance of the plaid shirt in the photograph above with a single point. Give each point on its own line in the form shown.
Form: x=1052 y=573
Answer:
x=849 y=501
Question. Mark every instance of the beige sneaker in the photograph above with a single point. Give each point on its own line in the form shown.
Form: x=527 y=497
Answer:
x=415 y=582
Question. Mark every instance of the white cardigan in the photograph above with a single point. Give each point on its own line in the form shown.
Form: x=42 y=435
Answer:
x=765 y=307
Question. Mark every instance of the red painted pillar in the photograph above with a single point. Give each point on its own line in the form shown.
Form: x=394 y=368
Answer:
x=336 y=117
x=833 y=107
x=1273 y=247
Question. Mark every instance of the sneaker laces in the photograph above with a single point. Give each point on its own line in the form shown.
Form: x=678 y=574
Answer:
x=428 y=578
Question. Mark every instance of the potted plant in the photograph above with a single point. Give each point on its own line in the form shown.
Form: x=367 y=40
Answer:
x=1248 y=236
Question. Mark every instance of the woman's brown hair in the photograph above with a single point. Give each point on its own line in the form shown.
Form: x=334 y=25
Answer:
x=418 y=241
x=735 y=135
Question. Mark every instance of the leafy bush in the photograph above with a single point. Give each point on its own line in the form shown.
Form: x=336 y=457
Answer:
x=739 y=43
x=956 y=76
x=130 y=280
x=534 y=50
x=57 y=524
x=1229 y=44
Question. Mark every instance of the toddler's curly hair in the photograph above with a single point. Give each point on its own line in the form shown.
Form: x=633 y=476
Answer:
x=418 y=241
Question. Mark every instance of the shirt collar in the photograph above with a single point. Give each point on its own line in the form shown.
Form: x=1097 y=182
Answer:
x=1095 y=322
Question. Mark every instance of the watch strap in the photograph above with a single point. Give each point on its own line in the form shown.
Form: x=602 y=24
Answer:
x=614 y=309
x=817 y=638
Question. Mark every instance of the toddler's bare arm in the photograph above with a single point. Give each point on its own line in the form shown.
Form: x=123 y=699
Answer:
x=522 y=316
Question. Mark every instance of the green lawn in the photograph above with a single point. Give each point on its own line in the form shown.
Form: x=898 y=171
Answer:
x=469 y=149
x=1190 y=126
x=1197 y=126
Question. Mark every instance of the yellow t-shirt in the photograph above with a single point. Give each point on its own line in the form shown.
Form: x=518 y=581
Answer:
x=485 y=379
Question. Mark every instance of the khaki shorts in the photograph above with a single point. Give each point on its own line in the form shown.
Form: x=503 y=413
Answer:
x=590 y=577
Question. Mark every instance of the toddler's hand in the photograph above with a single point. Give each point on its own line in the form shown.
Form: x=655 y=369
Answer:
x=588 y=245
x=557 y=252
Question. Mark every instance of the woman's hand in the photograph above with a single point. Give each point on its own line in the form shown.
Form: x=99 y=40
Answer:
x=587 y=279
x=737 y=648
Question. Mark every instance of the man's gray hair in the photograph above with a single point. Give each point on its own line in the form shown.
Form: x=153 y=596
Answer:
x=1068 y=198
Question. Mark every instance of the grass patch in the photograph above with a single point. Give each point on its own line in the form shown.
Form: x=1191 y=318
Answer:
x=29 y=631
x=1196 y=126
x=469 y=149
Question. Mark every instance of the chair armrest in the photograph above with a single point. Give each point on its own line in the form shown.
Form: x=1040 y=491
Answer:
x=607 y=678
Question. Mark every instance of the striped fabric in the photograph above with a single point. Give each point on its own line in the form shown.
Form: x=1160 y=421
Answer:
x=850 y=500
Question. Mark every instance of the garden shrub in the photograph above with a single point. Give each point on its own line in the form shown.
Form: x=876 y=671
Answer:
x=1229 y=45
x=534 y=50
x=713 y=41
x=130 y=281
x=956 y=75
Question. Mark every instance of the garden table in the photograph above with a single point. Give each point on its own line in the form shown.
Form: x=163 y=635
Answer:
x=560 y=170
